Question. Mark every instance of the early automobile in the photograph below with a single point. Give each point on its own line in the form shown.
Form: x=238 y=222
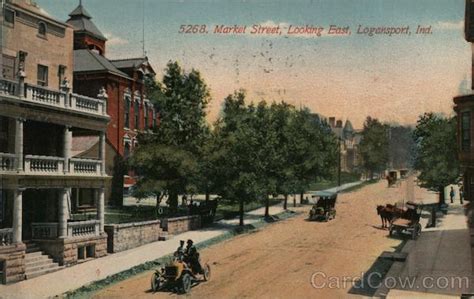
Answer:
x=392 y=179
x=408 y=221
x=177 y=275
x=324 y=207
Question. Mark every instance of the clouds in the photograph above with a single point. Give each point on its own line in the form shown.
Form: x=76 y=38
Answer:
x=113 y=40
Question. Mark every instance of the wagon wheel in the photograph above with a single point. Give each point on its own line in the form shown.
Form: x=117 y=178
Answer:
x=186 y=283
x=390 y=230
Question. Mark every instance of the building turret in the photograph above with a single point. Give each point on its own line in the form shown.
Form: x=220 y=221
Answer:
x=86 y=33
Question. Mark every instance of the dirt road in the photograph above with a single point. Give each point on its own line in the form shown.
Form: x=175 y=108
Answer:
x=280 y=260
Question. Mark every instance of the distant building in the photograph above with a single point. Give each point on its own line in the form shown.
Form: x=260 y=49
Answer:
x=124 y=81
x=349 y=141
x=42 y=180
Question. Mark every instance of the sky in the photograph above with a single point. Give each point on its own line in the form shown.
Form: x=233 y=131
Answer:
x=394 y=78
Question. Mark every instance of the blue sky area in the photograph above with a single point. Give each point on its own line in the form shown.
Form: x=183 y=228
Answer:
x=393 y=78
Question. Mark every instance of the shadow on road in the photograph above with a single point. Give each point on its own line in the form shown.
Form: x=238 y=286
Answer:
x=373 y=277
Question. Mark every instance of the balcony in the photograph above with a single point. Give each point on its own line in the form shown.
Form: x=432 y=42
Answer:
x=46 y=165
x=54 y=98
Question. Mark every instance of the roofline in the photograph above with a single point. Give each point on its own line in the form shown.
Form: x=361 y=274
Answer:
x=39 y=15
x=102 y=38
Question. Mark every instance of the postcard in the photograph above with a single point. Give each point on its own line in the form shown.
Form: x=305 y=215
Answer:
x=236 y=149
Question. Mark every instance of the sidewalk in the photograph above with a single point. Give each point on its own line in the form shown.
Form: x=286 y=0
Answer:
x=74 y=277
x=438 y=263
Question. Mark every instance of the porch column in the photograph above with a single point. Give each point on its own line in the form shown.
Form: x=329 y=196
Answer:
x=62 y=213
x=19 y=143
x=17 y=214
x=102 y=152
x=100 y=199
x=67 y=145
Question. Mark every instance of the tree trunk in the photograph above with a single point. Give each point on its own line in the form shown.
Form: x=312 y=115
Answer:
x=267 y=206
x=208 y=196
x=241 y=212
x=173 y=201
x=301 y=199
x=442 y=200
x=285 y=203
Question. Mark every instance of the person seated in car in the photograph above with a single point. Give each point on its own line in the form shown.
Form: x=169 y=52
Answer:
x=179 y=253
x=192 y=257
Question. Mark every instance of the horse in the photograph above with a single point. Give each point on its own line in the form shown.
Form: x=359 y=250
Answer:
x=388 y=213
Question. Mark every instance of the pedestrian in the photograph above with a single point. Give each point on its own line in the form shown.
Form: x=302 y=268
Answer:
x=451 y=194
x=461 y=193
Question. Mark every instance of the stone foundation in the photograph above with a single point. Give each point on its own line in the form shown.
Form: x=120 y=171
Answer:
x=179 y=225
x=66 y=251
x=130 y=235
x=13 y=259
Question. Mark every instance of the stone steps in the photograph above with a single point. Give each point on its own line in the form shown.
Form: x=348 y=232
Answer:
x=38 y=263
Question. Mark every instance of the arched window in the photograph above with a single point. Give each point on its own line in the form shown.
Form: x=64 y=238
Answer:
x=42 y=28
x=127 y=112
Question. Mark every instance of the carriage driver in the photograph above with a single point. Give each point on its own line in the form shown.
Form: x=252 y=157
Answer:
x=192 y=257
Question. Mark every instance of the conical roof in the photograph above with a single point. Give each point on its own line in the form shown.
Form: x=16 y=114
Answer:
x=348 y=127
x=80 y=19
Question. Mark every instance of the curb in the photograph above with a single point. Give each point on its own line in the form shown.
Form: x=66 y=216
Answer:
x=87 y=290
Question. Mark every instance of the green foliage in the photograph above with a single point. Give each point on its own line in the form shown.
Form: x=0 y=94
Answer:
x=168 y=161
x=401 y=147
x=436 y=152
x=374 y=145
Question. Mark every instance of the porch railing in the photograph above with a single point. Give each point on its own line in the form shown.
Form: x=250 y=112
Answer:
x=85 y=166
x=44 y=164
x=53 y=97
x=83 y=228
x=6 y=236
x=44 y=230
x=44 y=95
x=83 y=103
x=8 y=87
x=7 y=162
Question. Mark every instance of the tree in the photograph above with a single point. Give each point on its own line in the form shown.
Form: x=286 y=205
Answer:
x=436 y=152
x=373 y=146
x=401 y=146
x=168 y=161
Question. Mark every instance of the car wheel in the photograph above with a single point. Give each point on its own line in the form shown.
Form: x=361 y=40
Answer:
x=155 y=282
x=186 y=283
x=207 y=272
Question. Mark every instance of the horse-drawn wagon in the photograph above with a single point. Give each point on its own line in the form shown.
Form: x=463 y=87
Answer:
x=408 y=221
x=324 y=207
x=392 y=178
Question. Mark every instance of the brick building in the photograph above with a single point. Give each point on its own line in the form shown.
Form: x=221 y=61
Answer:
x=43 y=182
x=124 y=81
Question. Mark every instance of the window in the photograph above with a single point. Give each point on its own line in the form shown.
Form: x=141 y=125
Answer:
x=466 y=131
x=9 y=16
x=154 y=118
x=126 y=151
x=42 y=75
x=137 y=118
x=127 y=112
x=41 y=29
x=145 y=115
x=8 y=67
